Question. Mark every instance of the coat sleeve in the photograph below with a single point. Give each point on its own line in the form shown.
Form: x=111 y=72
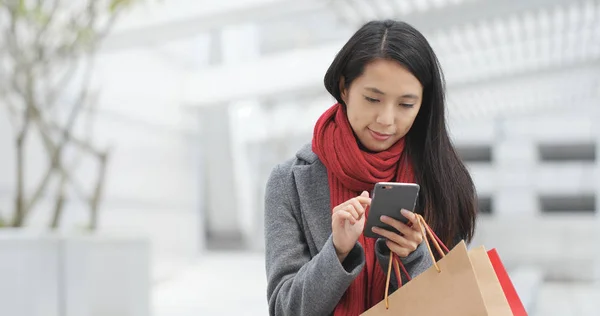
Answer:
x=296 y=283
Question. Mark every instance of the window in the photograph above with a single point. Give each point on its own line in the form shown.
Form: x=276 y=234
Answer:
x=567 y=152
x=585 y=203
x=224 y=241
x=475 y=153
x=485 y=205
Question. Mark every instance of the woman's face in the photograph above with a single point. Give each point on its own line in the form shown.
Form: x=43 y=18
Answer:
x=382 y=103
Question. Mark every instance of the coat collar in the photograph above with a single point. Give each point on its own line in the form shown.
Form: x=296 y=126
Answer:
x=313 y=190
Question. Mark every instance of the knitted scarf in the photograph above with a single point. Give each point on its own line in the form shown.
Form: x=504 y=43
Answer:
x=350 y=171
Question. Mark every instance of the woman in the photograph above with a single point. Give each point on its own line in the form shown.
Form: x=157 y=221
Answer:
x=388 y=125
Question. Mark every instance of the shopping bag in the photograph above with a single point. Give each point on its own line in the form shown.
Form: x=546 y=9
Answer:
x=460 y=283
x=516 y=305
x=489 y=285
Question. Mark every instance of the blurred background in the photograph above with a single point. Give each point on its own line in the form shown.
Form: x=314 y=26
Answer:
x=136 y=137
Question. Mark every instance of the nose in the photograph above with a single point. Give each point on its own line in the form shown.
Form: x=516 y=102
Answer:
x=386 y=115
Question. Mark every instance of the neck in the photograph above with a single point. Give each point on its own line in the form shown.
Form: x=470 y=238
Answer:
x=361 y=146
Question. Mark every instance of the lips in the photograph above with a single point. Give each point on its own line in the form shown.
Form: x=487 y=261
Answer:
x=379 y=136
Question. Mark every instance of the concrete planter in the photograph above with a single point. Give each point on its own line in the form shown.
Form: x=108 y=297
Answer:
x=73 y=275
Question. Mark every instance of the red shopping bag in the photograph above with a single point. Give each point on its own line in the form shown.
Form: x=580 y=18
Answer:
x=510 y=292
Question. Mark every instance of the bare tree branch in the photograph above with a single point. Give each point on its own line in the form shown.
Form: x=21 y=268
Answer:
x=92 y=200
x=44 y=132
x=20 y=203
x=58 y=167
x=43 y=49
x=87 y=139
x=98 y=191
x=59 y=203
x=11 y=37
x=83 y=145
x=55 y=159
x=20 y=194
x=55 y=91
x=47 y=42
x=2 y=220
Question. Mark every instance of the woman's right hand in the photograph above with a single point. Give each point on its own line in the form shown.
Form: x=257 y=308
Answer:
x=348 y=222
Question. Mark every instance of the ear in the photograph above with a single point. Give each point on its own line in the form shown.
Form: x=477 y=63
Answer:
x=343 y=90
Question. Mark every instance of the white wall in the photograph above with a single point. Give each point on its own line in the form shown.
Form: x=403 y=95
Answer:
x=516 y=176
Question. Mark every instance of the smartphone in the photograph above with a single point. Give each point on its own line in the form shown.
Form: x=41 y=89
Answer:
x=388 y=199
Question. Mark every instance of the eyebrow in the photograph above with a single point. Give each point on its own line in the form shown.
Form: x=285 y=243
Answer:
x=406 y=96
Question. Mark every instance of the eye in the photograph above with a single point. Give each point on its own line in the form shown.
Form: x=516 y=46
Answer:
x=371 y=99
x=407 y=105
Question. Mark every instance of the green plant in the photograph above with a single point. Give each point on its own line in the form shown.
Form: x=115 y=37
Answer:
x=47 y=50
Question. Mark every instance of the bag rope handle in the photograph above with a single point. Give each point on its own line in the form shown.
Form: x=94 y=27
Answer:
x=426 y=230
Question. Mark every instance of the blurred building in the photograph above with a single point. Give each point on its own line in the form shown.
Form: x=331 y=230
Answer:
x=523 y=89
x=523 y=93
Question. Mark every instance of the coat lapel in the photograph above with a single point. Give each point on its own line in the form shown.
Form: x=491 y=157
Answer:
x=313 y=190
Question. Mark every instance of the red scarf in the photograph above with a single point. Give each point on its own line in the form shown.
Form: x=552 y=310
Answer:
x=350 y=171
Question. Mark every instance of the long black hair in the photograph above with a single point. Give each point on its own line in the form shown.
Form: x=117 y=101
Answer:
x=448 y=197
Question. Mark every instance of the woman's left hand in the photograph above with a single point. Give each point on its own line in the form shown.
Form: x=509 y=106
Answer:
x=412 y=235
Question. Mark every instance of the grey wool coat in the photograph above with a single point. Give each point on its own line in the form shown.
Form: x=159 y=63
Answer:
x=304 y=274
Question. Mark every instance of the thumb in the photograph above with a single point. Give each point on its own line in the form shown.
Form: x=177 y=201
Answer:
x=365 y=194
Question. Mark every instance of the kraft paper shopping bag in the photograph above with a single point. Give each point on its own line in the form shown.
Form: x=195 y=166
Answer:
x=489 y=285
x=456 y=285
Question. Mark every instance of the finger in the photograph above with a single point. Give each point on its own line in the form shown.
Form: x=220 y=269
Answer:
x=358 y=207
x=390 y=236
x=404 y=243
x=414 y=236
x=343 y=215
x=402 y=252
x=340 y=207
x=398 y=225
x=353 y=211
x=363 y=200
x=412 y=218
x=410 y=233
